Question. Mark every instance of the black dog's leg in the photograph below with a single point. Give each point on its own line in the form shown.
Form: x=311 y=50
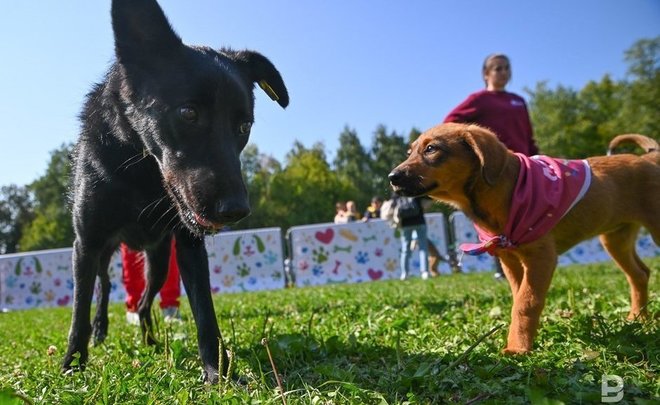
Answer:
x=194 y=269
x=100 y=324
x=85 y=269
x=156 y=268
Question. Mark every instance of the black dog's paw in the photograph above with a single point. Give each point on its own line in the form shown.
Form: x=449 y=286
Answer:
x=99 y=331
x=210 y=375
x=148 y=337
x=73 y=362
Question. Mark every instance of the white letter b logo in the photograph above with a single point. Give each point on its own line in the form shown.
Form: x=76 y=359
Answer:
x=606 y=390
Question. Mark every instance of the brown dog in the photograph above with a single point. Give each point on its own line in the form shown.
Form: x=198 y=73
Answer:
x=467 y=167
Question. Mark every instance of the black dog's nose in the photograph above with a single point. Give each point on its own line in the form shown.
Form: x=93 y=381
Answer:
x=228 y=212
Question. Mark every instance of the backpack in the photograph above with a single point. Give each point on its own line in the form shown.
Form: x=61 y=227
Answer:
x=406 y=207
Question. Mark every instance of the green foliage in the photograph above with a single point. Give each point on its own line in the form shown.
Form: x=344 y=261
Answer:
x=15 y=213
x=353 y=165
x=577 y=124
x=386 y=342
x=51 y=226
x=387 y=151
x=306 y=190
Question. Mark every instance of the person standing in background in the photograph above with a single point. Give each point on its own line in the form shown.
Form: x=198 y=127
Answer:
x=134 y=282
x=502 y=112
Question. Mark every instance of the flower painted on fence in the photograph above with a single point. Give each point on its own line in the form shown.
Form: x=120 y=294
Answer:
x=228 y=281
x=391 y=265
x=49 y=296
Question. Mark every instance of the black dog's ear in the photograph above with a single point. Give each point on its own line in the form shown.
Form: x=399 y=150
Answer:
x=142 y=33
x=260 y=70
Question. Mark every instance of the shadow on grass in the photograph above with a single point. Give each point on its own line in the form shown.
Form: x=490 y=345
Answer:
x=366 y=372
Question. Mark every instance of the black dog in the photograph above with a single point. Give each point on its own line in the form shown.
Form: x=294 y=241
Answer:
x=157 y=157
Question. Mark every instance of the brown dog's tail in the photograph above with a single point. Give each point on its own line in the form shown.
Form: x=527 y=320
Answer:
x=644 y=142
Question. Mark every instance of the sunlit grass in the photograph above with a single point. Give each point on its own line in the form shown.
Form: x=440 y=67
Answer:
x=380 y=342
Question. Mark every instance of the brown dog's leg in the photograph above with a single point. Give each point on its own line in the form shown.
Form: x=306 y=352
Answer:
x=538 y=263
x=513 y=270
x=620 y=244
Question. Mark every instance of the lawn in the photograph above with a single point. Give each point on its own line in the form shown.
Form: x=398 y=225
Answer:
x=385 y=342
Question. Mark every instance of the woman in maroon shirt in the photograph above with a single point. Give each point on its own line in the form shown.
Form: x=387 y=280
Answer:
x=502 y=112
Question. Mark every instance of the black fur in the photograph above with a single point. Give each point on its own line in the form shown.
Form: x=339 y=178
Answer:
x=158 y=156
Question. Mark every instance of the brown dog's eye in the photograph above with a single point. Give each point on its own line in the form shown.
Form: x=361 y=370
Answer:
x=188 y=113
x=245 y=128
x=430 y=149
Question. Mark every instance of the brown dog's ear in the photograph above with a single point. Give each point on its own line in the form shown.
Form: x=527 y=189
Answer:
x=492 y=153
x=260 y=70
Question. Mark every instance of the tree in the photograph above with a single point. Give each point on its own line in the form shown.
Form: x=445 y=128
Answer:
x=576 y=124
x=15 y=213
x=306 y=190
x=353 y=165
x=258 y=170
x=642 y=99
x=51 y=226
x=387 y=151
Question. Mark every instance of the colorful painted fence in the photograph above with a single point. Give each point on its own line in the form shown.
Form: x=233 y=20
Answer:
x=239 y=261
x=253 y=260
x=355 y=252
x=246 y=260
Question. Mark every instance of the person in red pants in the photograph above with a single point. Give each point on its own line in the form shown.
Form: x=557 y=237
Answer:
x=134 y=282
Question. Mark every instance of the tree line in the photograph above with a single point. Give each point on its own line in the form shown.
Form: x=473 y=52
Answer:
x=304 y=187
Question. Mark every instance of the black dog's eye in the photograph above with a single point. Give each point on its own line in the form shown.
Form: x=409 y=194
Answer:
x=245 y=128
x=188 y=113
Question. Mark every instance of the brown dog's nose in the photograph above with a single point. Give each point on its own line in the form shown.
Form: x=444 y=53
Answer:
x=395 y=177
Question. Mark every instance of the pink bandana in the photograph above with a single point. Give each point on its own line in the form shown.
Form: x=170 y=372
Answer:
x=546 y=190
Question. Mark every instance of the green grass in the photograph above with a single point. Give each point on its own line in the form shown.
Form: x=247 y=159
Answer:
x=383 y=342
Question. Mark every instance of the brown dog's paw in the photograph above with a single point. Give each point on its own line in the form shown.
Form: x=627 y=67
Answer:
x=639 y=316
x=515 y=352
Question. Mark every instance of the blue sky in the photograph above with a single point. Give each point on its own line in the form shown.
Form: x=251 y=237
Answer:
x=358 y=63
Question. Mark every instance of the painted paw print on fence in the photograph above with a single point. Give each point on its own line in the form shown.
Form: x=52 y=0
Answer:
x=270 y=257
x=35 y=288
x=362 y=257
x=320 y=255
x=317 y=270
x=243 y=270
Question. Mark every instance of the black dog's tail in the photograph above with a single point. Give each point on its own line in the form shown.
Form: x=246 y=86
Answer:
x=644 y=142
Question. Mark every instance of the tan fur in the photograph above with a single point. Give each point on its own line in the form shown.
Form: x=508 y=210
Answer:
x=466 y=166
